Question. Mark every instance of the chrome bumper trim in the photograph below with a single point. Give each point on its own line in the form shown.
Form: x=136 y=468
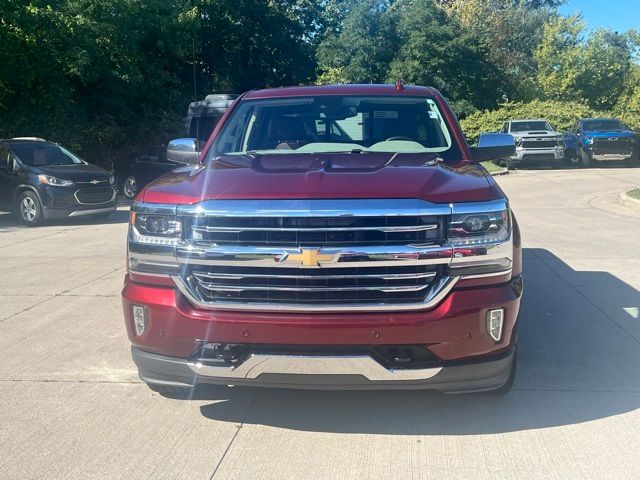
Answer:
x=363 y=365
x=368 y=256
x=436 y=294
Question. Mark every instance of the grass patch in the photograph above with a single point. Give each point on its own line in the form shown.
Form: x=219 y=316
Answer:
x=492 y=167
x=635 y=193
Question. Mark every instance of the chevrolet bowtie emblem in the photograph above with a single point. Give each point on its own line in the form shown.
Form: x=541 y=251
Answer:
x=94 y=182
x=308 y=257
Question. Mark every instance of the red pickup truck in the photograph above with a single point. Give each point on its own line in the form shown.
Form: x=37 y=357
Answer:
x=340 y=237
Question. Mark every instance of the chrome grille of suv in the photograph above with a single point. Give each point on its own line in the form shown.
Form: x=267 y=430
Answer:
x=316 y=231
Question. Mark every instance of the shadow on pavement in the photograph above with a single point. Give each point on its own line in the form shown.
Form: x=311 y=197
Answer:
x=578 y=362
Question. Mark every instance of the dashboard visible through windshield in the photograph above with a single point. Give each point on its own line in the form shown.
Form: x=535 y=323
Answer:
x=327 y=124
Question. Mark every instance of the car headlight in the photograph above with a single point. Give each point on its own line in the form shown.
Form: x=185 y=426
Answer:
x=155 y=229
x=589 y=141
x=479 y=228
x=481 y=240
x=53 y=181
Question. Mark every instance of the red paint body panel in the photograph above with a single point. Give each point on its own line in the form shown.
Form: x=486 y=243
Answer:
x=453 y=330
x=438 y=184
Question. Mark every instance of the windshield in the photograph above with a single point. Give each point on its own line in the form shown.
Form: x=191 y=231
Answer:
x=527 y=126
x=42 y=154
x=601 y=126
x=325 y=124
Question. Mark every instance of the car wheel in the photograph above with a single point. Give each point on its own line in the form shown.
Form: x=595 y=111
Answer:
x=506 y=388
x=511 y=165
x=130 y=187
x=586 y=159
x=29 y=209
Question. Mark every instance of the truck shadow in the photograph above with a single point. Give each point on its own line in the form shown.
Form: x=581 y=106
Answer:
x=578 y=341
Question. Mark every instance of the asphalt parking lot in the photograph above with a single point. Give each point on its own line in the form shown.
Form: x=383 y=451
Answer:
x=71 y=405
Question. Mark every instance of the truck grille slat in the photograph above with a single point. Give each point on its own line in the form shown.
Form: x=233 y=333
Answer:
x=316 y=231
x=315 y=286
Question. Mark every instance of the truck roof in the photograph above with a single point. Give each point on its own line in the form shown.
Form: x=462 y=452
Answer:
x=529 y=120
x=342 y=89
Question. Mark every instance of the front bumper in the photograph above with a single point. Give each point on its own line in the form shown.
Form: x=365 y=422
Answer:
x=454 y=333
x=538 y=154
x=345 y=372
x=61 y=202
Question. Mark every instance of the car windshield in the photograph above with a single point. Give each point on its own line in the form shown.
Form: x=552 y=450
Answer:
x=602 y=126
x=527 y=126
x=42 y=154
x=326 y=124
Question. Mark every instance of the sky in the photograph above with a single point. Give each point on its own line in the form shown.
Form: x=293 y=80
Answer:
x=619 y=15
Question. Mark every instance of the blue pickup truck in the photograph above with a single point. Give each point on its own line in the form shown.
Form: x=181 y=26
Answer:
x=603 y=139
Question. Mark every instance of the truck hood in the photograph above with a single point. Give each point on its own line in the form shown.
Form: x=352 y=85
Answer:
x=303 y=176
x=536 y=133
x=612 y=134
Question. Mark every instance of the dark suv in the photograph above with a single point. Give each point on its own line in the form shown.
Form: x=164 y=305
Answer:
x=41 y=180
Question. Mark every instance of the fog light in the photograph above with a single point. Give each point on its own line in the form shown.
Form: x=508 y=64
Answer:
x=139 y=319
x=495 y=320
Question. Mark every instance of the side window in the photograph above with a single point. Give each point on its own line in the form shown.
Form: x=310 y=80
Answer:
x=6 y=159
x=505 y=127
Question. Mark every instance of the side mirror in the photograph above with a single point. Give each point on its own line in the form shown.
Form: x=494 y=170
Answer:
x=183 y=150
x=493 y=146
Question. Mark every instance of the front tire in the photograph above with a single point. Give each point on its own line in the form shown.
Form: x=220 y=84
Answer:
x=632 y=161
x=130 y=187
x=29 y=209
x=511 y=165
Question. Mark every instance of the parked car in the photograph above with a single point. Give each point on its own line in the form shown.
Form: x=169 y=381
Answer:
x=336 y=237
x=202 y=118
x=536 y=142
x=41 y=180
x=606 y=139
x=134 y=175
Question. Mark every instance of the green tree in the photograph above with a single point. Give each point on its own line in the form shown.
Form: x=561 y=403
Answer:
x=592 y=69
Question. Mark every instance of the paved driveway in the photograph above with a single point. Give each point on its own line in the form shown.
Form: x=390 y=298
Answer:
x=71 y=405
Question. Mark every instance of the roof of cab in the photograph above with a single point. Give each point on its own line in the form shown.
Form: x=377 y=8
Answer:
x=341 y=89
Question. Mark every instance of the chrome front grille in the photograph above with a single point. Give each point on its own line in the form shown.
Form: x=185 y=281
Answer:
x=314 y=255
x=316 y=231
x=312 y=285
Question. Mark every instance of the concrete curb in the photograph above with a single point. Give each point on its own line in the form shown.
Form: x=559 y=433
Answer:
x=501 y=172
x=626 y=199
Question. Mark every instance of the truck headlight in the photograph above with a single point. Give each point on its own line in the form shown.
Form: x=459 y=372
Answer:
x=479 y=228
x=481 y=239
x=53 y=181
x=588 y=141
x=155 y=229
